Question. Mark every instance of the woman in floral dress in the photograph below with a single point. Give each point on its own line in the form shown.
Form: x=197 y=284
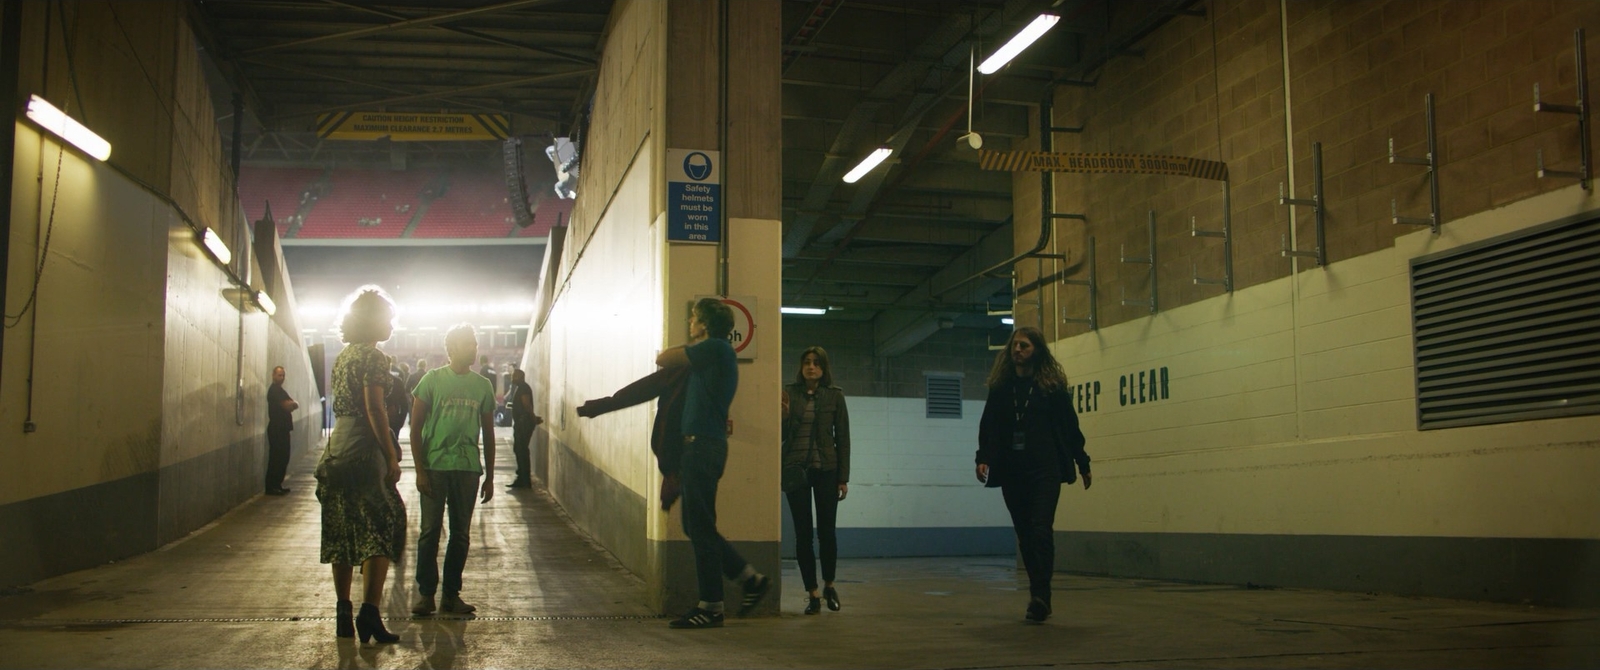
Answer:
x=363 y=518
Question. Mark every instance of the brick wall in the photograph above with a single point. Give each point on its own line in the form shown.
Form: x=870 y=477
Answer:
x=1357 y=71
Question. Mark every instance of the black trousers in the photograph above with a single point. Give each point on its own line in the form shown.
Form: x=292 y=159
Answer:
x=521 y=435
x=1032 y=503
x=277 y=458
x=714 y=558
x=823 y=486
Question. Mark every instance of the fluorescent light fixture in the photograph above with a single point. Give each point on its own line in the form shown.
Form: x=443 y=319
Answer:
x=1027 y=37
x=266 y=303
x=67 y=128
x=871 y=161
x=813 y=311
x=217 y=247
x=1006 y=320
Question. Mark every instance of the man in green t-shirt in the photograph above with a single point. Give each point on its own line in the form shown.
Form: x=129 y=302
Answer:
x=450 y=407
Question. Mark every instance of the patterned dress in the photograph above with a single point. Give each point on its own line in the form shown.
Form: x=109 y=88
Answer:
x=362 y=515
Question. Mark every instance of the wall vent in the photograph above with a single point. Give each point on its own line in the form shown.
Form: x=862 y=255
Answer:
x=1506 y=329
x=943 y=399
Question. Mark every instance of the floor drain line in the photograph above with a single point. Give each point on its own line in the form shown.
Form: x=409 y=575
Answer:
x=48 y=623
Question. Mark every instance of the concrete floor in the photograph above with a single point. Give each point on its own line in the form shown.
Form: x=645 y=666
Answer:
x=247 y=591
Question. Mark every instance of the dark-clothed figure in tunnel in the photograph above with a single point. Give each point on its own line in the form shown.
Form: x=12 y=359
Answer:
x=1028 y=445
x=816 y=442
x=451 y=406
x=524 y=420
x=363 y=517
x=713 y=379
x=280 y=425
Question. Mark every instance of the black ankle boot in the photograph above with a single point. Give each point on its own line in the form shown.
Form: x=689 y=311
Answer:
x=370 y=626
x=344 y=624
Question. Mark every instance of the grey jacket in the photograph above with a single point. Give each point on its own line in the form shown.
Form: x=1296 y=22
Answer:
x=830 y=430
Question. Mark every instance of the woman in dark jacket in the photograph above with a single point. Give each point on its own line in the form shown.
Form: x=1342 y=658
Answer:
x=1029 y=444
x=816 y=436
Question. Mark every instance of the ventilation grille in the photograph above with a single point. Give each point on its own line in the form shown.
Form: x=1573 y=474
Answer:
x=1509 y=329
x=944 y=395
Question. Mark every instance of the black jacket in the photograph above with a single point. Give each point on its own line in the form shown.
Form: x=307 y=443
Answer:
x=1058 y=423
x=666 y=386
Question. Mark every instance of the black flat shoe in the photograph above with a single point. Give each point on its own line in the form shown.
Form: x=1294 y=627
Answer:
x=813 y=606
x=832 y=597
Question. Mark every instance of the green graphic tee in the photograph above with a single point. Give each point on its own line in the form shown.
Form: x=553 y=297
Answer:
x=456 y=404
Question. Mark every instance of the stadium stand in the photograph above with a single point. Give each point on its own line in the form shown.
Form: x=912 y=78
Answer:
x=380 y=204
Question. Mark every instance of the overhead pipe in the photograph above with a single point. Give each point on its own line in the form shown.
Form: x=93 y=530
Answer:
x=1047 y=198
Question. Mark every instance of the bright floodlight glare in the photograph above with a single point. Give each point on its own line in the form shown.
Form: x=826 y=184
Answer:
x=266 y=303
x=813 y=311
x=67 y=128
x=1028 y=35
x=217 y=247
x=1006 y=320
x=871 y=161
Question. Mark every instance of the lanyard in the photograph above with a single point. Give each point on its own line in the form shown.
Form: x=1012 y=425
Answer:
x=1021 y=409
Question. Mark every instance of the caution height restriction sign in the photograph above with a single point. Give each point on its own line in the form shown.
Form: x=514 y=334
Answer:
x=412 y=127
x=1045 y=161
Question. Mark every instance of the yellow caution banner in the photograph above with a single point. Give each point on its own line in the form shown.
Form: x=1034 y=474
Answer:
x=412 y=127
x=1044 y=161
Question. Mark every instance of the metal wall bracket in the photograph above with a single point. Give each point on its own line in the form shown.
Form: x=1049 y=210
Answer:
x=1147 y=260
x=1316 y=203
x=1431 y=161
x=1581 y=110
x=1094 y=293
x=1226 y=282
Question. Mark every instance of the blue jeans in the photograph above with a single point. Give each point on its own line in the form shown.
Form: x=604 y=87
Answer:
x=714 y=557
x=457 y=491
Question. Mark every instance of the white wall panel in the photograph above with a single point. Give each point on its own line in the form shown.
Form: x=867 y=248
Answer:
x=1292 y=412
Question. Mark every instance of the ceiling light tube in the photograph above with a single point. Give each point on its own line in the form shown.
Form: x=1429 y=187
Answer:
x=1028 y=35
x=214 y=243
x=67 y=128
x=1006 y=320
x=871 y=161
x=813 y=311
x=266 y=303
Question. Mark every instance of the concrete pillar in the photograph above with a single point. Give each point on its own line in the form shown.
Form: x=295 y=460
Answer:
x=622 y=287
x=748 y=511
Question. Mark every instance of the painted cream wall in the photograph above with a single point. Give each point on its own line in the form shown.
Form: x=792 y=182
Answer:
x=96 y=356
x=604 y=331
x=909 y=471
x=200 y=409
x=1292 y=411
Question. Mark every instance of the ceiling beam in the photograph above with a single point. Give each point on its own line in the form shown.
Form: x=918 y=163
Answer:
x=482 y=37
x=455 y=91
x=420 y=22
x=917 y=313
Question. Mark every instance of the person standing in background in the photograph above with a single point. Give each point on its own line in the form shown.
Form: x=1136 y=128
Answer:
x=398 y=402
x=816 y=438
x=416 y=375
x=280 y=426
x=524 y=420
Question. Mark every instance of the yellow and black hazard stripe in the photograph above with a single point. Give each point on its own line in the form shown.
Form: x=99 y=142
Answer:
x=1044 y=161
